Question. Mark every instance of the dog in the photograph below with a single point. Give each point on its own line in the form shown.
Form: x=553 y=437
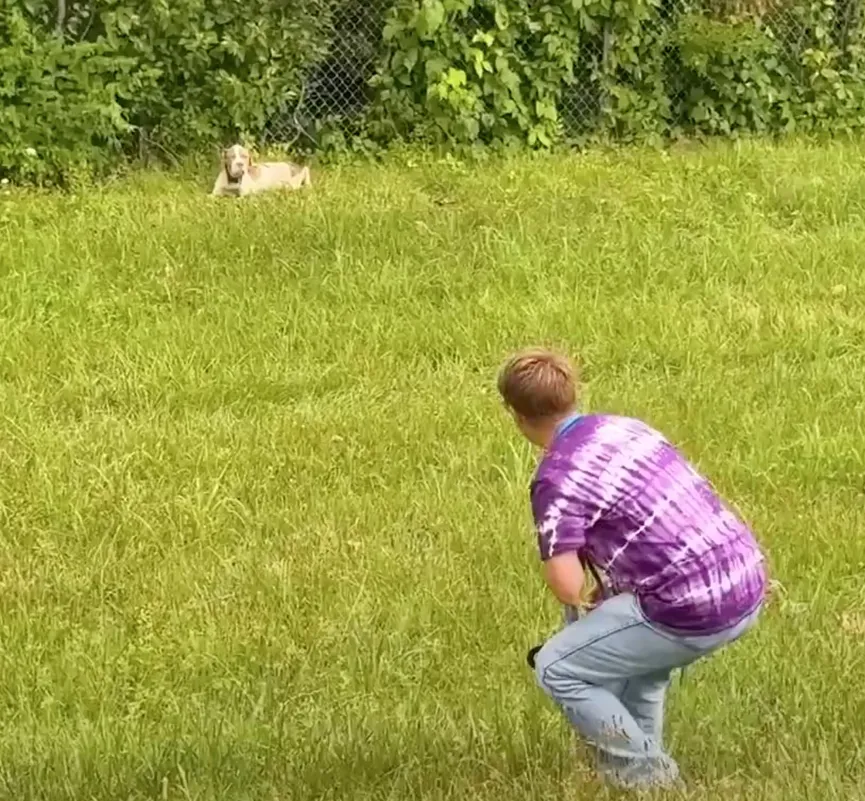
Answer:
x=241 y=176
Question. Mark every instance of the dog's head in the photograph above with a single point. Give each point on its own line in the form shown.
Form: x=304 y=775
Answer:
x=237 y=161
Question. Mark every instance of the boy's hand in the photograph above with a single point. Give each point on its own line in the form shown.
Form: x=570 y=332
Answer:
x=594 y=598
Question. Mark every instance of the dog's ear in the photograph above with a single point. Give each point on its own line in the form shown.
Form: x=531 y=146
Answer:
x=253 y=164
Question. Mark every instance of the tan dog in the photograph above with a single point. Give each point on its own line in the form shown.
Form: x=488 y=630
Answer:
x=241 y=176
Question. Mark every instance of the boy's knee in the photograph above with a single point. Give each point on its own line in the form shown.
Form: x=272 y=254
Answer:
x=553 y=673
x=542 y=663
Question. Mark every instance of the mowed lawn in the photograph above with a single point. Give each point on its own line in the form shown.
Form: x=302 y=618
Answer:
x=264 y=526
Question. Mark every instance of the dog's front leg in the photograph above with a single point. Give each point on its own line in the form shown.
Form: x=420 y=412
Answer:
x=247 y=186
x=220 y=184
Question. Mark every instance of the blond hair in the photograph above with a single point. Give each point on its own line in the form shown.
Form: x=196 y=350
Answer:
x=538 y=383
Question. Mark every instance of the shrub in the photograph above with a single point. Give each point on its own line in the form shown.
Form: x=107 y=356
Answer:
x=497 y=72
x=211 y=69
x=634 y=73
x=60 y=105
x=83 y=84
x=488 y=72
x=831 y=66
x=179 y=74
x=729 y=77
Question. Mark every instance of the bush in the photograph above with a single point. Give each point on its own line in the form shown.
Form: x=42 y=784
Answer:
x=634 y=73
x=831 y=67
x=495 y=72
x=730 y=77
x=489 y=72
x=210 y=69
x=84 y=84
x=61 y=109
x=179 y=74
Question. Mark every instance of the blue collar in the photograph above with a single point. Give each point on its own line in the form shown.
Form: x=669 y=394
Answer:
x=567 y=424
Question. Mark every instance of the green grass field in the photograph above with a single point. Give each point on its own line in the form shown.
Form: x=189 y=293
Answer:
x=264 y=526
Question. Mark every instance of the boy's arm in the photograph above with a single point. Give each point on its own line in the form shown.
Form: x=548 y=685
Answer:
x=560 y=523
x=565 y=577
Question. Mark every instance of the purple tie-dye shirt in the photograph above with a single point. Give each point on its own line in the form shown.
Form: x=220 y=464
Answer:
x=619 y=494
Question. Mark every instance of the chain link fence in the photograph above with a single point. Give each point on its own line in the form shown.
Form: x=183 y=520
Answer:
x=337 y=90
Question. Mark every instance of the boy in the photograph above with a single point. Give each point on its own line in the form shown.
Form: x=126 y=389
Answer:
x=683 y=576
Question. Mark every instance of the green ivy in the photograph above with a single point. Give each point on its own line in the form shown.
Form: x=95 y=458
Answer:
x=169 y=76
x=730 y=77
x=83 y=92
x=490 y=72
x=210 y=69
x=61 y=111
x=634 y=72
x=497 y=72
x=831 y=69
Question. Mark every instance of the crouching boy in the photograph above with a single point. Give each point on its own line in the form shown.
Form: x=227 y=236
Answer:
x=682 y=575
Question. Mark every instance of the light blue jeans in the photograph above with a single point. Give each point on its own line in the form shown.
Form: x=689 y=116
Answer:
x=609 y=672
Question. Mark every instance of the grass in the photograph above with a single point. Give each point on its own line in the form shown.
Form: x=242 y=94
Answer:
x=264 y=528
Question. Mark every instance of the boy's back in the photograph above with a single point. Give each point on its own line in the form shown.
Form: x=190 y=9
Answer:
x=619 y=493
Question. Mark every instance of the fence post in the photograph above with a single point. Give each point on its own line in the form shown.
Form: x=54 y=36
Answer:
x=61 y=17
x=605 y=58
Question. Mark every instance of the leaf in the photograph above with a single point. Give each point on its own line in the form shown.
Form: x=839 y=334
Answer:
x=455 y=78
x=435 y=66
x=510 y=79
x=430 y=19
x=546 y=110
x=410 y=59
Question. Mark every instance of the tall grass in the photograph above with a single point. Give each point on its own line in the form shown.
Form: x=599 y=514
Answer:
x=264 y=526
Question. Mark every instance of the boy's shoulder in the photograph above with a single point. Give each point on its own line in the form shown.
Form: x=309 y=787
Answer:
x=598 y=435
x=613 y=430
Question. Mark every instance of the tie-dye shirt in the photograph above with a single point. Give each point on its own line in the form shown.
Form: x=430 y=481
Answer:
x=619 y=494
